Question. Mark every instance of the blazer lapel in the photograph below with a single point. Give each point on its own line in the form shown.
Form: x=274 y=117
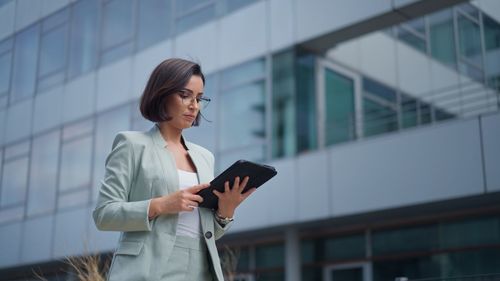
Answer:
x=167 y=161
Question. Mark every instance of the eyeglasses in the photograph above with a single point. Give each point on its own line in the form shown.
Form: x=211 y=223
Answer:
x=188 y=99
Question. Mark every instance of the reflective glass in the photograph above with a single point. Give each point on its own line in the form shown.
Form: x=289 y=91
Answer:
x=283 y=101
x=469 y=233
x=232 y=5
x=5 y=67
x=25 y=63
x=269 y=256
x=78 y=129
x=492 y=51
x=117 y=53
x=396 y=241
x=442 y=37
x=83 y=40
x=17 y=150
x=409 y=112
x=340 y=118
x=412 y=268
x=473 y=262
x=57 y=19
x=11 y=214
x=379 y=90
x=43 y=173
x=73 y=199
x=412 y=39
x=14 y=180
x=242 y=120
x=118 y=24
x=155 y=17
x=53 y=55
x=344 y=248
x=108 y=126
x=425 y=113
x=469 y=40
x=76 y=159
x=378 y=118
x=243 y=73
x=306 y=102
x=184 y=6
x=379 y=108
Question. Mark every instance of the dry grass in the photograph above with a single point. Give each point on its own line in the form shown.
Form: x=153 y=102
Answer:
x=85 y=268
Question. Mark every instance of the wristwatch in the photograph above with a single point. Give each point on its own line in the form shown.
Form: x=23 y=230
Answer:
x=222 y=220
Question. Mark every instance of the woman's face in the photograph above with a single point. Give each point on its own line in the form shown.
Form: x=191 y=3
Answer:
x=182 y=107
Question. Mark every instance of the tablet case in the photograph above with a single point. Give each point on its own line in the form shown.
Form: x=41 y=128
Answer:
x=258 y=174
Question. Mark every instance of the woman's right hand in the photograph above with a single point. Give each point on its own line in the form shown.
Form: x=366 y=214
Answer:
x=181 y=200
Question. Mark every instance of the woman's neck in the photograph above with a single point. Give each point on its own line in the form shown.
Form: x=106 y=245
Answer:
x=170 y=134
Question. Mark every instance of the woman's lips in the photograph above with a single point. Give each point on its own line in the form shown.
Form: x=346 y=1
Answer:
x=190 y=117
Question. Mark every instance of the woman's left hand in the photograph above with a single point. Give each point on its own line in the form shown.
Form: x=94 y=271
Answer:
x=232 y=197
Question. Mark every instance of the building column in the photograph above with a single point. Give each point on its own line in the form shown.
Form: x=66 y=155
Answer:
x=292 y=255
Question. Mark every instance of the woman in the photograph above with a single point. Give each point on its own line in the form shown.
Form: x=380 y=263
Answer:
x=149 y=191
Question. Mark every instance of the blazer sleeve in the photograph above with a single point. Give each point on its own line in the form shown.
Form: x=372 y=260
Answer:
x=113 y=211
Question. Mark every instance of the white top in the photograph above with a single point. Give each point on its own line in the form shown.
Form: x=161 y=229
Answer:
x=189 y=222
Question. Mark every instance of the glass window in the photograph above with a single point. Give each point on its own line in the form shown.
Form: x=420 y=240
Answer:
x=192 y=13
x=154 y=22
x=379 y=108
x=474 y=262
x=108 y=125
x=25 y=63
x=468 y=233
x=270 y=257
x=53 y=50
x=76 y=159
x=233 y=5
x=43 y=173
x=118 y=30
x=442 y=38
x=333 y=248
x=396 y=241
x=412 y=268
x=492 y=51
x=14 y=180
x=425 y=113
x=283 y=102
x=344 y=248
x=244 y=73
x=245 y=103
x=242 y=102
x=470 y=47
x=306 y=103
x=409 y=111
x=83 y=40
x=339 y=108
x=414 y=34
x=5 y=66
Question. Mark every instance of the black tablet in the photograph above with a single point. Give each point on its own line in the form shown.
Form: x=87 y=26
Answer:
x=258 y=174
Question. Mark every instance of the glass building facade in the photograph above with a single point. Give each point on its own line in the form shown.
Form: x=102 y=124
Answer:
x=69 y=82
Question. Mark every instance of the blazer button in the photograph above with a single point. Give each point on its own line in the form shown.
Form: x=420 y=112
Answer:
x=208 y=234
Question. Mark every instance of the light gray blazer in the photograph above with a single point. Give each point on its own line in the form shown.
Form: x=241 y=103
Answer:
x=139 y=168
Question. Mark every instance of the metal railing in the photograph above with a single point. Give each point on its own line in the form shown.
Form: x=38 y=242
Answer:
x=458 y=101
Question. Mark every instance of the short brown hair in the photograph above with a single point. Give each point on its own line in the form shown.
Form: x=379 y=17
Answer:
x=169 y=77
